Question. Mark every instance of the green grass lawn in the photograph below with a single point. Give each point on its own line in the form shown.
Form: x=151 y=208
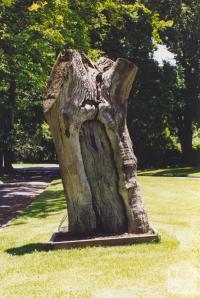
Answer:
x=172 y=172
x=170 y=268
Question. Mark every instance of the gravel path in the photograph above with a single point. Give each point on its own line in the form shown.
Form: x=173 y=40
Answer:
x=20 y=189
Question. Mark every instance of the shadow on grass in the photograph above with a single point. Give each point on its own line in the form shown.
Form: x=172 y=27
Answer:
x=42 y=247
x=30 y=174
x=4 y=177
x=50 y=201
x=172 y=172
x=28 y=249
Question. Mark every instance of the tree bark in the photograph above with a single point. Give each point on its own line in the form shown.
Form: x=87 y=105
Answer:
x=86 y=106
x=189 y=115
x=186 y=137
x=8 y=120
x=1 y=161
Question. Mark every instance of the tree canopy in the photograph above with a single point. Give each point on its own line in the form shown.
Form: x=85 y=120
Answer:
x=183 y=40
x=163 y=106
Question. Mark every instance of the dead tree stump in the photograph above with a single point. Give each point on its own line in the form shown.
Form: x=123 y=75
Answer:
x=86 y=106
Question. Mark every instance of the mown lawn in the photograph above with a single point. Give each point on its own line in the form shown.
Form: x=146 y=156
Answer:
x=167 y=269
x=172 y=172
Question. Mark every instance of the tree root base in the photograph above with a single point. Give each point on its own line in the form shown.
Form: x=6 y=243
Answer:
x=64 y=240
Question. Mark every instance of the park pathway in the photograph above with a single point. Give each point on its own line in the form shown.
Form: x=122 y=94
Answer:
x=20 y=189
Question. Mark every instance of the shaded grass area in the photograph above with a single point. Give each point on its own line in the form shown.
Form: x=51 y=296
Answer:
x=169 y=172
x=25 y=171
x=4 y=178
x=24 y=176
x=172 y=172
x=167 y=269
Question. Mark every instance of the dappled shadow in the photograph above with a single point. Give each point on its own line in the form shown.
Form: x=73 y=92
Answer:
x=44 y=174
x=50 y=201
x=173 y=172
x=18 y=223
x=28 y=249
x=22 y=187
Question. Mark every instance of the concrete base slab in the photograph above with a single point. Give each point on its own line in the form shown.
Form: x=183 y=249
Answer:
x=61 y=240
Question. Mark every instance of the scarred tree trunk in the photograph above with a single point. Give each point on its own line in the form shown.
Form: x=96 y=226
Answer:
x=86 y=106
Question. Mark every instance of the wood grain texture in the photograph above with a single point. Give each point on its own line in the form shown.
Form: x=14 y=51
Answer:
x=85 y=106
x=102 y=177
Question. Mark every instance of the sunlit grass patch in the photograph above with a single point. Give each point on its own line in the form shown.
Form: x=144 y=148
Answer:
x=146 y=270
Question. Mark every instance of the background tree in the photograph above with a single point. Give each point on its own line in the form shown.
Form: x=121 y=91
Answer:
x=32 y=34
x=127 y=29
x=183 y=40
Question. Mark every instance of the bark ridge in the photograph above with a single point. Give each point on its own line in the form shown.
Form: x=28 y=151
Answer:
x=86 y=106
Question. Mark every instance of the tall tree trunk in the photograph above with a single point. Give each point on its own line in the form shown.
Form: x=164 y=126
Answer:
x=8 y=121
x=1 y=160
x=191 y=105
x=86 y=107
x=1 y=134
x=184 y=125
x=7 y=161
x=186 y=140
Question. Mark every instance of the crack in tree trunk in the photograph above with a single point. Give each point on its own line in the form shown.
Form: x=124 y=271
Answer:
x=86 y=107
x=102 y=177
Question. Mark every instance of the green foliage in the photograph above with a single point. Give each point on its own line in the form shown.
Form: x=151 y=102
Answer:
x=149 y=108
x=35 y=146
x=32 y=33
x=183 y=40
x=131 y=31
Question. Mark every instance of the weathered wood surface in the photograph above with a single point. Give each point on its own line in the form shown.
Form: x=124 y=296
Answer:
x=85 y=106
